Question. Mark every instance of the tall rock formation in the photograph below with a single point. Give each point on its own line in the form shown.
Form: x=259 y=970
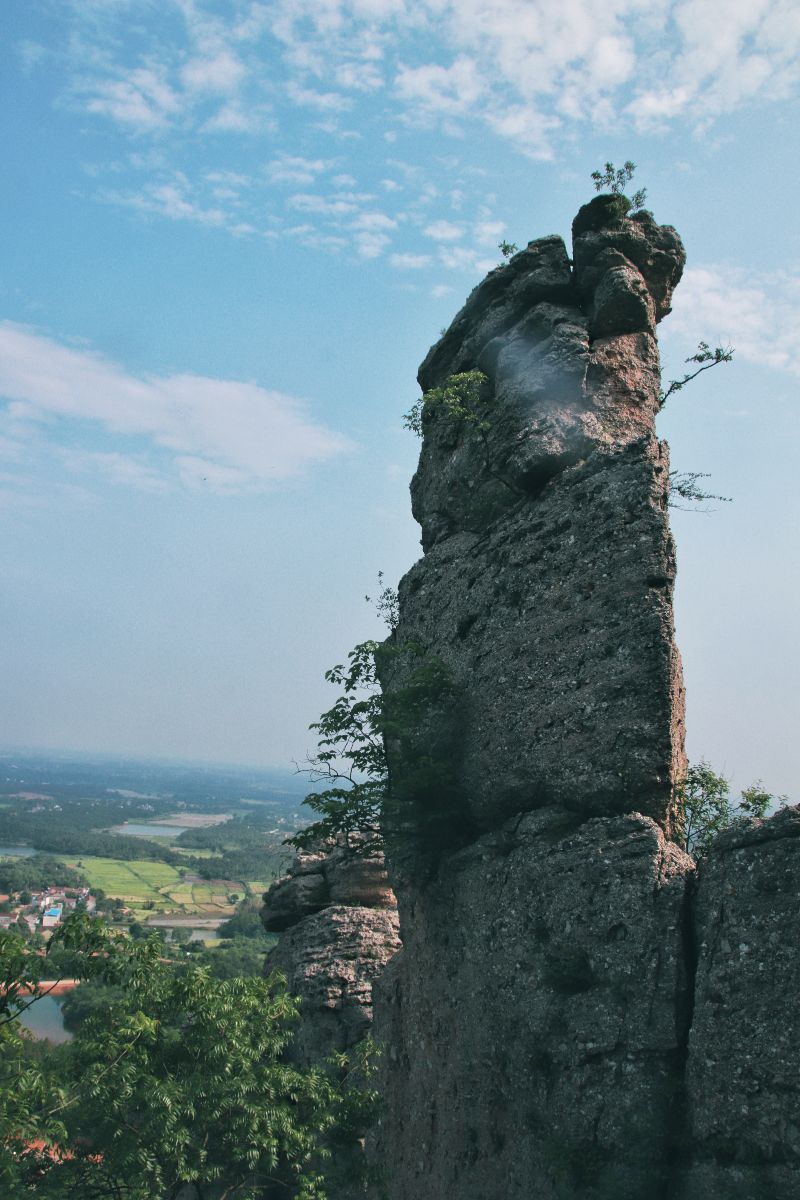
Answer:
x=547 y=578
x=541 y=1035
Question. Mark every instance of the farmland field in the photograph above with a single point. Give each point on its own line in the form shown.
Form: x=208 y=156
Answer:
x=134 y=882
x=158 y=886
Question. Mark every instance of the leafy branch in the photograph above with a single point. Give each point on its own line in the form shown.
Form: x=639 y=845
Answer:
x=705 y=807
x=707 y=358
x=615 y=180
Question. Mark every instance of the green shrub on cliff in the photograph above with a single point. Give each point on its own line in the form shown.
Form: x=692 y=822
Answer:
x=414 y=719
x=615 y=179
x=706 y=808
x=457 y=398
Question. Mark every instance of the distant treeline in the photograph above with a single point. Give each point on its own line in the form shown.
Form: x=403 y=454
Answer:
x=56 y=833
x=36 y=873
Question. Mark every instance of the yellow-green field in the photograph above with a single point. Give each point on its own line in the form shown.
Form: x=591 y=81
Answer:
x=159 y=886
x=134 y=882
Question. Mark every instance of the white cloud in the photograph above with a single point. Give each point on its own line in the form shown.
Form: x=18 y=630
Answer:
x=374 y=221
x=444 y=231
x=142 y=99
x=295 y=169
x=245 y=436
x=235 y=117
x=122 y=469
x=338 y=205
x=169 y=200
x=369 y=244
x=759 y=315
x=528 y=70
x=309 y=98
x=449 y=90
x=359 y=76
x=410 y=262
x=222 y=73
x=488 y=231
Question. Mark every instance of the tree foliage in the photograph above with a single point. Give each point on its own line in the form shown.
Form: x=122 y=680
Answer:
x=706 y=358
x=353 y=737
x=458 y=398
x=177 y=1078
x=616 y=179
x=706 y=808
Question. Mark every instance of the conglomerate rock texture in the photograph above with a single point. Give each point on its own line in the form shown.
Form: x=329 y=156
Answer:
x=573 y=1014
x=532 y=1046
x=338 y=917
x=743 y=1073
x=546 y=585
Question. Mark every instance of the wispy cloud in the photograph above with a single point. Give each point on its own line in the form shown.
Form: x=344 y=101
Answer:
x=169 y=200
x=224 y=434
x=292 y=168
x=325 y=73
x=444 y=231
x=410 y=262
x=759 y=315
x=525 y=68
x=140 y=98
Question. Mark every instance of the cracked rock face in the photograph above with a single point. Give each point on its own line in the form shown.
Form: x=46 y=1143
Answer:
x=571 y=1016
x=530 y=1019
x=338 y=917
x=546 y=584
x=743 y=1076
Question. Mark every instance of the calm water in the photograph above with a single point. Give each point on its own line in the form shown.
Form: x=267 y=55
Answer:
x=16 y=851
x=137 y=830
x=44 y=1021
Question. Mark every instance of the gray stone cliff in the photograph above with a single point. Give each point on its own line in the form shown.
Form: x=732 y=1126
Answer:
x=546 y=585
x=576 y=1011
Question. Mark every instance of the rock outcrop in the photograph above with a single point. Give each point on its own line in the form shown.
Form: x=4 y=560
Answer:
x=532 y=1047
x=338 y=919
x=573 y=1016
x=743 y=1084
x=547 y=578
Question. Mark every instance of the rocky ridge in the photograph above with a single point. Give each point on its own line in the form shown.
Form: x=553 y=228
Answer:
x=576 y=1012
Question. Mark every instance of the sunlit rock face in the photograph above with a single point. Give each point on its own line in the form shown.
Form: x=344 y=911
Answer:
x=546 y=584
x=338 y=918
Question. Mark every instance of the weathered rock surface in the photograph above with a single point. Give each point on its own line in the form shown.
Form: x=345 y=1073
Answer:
x=743 y=1075
x=571 y=1017
x=331 y=961
x=532 y=1020
x=340 y=920
x=546 y=586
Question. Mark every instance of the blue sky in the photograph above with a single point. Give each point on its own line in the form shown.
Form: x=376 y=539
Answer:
x=232 y=230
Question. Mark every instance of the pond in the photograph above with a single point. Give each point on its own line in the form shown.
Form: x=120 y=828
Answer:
x=45 y=1021
x=16 y=851
x=135 y=829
